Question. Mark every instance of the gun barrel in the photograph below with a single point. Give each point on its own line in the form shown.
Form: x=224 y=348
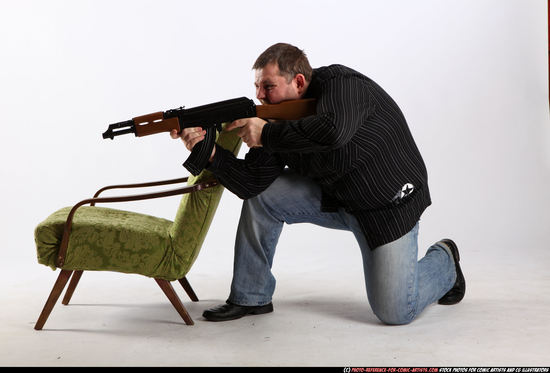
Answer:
x=120 y=128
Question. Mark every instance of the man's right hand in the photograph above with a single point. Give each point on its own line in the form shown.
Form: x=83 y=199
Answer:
x=190 y=137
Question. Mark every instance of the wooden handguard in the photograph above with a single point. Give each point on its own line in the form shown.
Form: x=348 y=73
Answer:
x=153 y=123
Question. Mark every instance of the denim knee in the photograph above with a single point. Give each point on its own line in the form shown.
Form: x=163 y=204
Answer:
x=393 y=313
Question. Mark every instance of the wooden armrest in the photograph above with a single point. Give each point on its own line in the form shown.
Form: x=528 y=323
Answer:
x=136 y=197
x=142 y=185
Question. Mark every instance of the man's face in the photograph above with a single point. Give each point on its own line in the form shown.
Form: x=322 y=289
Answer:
x=272 y=87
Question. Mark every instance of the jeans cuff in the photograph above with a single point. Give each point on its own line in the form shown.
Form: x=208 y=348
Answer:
x=247 y=302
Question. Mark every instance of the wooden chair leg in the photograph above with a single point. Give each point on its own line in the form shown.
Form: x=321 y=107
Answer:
x=72 y=286
x=175 y=300
x=52 y=299
x=188 y=289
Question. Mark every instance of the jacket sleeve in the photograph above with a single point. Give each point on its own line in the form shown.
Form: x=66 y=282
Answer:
x=246 y=177
x=342 y=107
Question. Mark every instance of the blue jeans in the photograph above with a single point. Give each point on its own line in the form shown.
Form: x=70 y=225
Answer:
x=399 y=286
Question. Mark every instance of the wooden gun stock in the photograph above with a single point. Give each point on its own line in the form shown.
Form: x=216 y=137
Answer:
x=287 y=110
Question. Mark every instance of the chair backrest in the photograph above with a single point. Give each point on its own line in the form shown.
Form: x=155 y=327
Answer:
x=196 y=212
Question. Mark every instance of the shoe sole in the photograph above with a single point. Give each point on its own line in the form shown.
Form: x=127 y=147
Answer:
x=255 y=311
x=261 y=310
x=449 y=298
x=453 y=247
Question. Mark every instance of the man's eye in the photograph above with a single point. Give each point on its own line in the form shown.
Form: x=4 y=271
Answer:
x=269 y=87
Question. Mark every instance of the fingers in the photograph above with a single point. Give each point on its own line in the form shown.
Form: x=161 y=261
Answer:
x=189 y=136
x=235 y=124
x=250 y=131
x=192 y=137
x=243 y=133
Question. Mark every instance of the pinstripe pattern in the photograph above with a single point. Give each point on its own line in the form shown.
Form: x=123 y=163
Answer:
x=358 y=147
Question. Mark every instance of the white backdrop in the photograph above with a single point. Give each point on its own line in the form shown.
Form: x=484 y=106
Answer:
x=470 y=76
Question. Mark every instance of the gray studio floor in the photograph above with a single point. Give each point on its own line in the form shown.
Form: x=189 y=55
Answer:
x=321 y=318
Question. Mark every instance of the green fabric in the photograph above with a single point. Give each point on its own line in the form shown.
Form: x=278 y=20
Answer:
x=122 y=241
x=105 y=239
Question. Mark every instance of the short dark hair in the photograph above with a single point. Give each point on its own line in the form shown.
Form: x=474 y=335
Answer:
x=290 y=59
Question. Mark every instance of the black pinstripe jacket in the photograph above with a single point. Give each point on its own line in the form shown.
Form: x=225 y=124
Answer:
x=358 y=147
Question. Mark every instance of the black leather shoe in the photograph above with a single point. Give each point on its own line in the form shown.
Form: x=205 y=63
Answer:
x=230 y=311
x=457 y=292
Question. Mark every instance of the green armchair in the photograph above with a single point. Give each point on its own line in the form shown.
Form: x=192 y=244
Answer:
x=91 y=238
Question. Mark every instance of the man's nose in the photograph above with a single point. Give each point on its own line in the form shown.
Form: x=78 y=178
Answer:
x=260 y=93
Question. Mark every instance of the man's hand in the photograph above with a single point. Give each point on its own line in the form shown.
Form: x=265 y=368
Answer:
x=190 y=137
x=250 y=130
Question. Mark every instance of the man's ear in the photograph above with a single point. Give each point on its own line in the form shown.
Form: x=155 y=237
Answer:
x=300 y=80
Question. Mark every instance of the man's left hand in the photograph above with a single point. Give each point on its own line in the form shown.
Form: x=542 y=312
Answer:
x=250 y=130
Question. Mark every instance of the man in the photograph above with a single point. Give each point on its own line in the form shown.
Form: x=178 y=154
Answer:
x=353 y=165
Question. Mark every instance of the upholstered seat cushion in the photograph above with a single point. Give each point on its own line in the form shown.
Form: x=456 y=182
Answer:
x=106 y=239
x=114 y=240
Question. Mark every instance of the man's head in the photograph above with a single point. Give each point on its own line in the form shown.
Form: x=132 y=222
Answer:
x=282 y=73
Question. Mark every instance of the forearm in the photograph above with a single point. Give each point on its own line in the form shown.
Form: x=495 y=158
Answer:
x=247 y=177
x=313 y=134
